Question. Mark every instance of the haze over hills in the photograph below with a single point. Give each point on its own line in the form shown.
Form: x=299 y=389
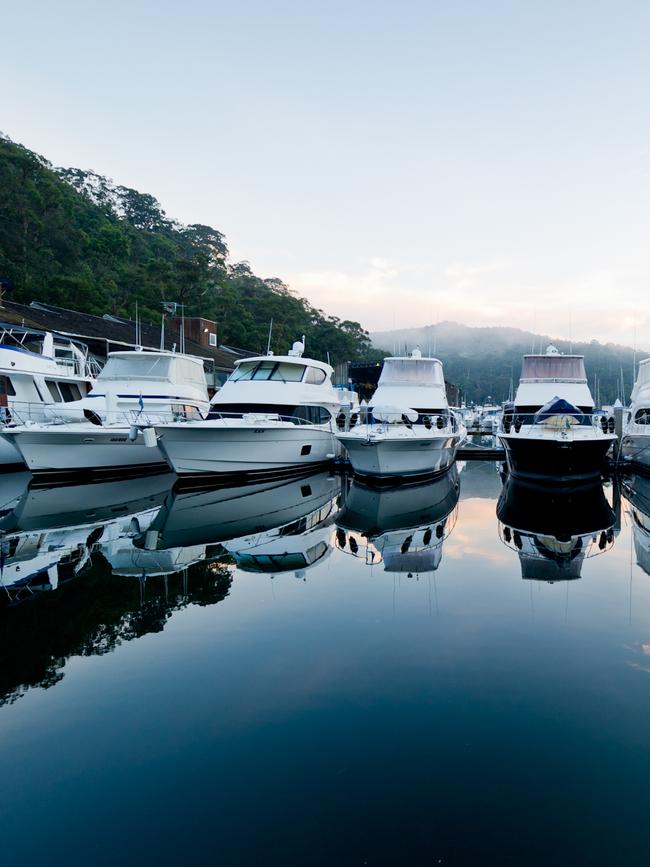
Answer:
x=484 y=361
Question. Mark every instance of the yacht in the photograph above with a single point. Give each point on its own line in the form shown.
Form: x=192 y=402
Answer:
x=39 y=376
x=551 y=431
x=403 y=526
x=635 y=446
x=554 y=529
x=410 y=429
x=273 y=413
x=133 y=391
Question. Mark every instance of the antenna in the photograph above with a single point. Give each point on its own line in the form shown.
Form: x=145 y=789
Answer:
x=162 y=332
x=268 y=342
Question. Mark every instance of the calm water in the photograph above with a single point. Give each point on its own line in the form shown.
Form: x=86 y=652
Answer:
x=312 y=672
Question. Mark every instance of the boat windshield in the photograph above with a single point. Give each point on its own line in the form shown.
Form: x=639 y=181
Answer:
x=562 y=367
x=136 y=366
x=412 y=372
x=277 y=371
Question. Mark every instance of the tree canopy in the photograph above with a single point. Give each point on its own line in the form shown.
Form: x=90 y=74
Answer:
x=76 y=239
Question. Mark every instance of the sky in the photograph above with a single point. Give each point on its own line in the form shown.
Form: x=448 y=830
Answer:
x=398 y=163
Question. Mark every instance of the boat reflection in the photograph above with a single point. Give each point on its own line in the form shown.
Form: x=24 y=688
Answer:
x=402 y=527
x=636 y=490
x=270 y=527
x=554 y=530
x=50 y=535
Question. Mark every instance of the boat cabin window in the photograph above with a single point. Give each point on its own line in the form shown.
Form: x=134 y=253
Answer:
x=315 y=376
x=642 y=416
x=55 y=394
x=6 y=386
x=553 y=367
x=411 y=371
x=277 y=371
x=70 y=391
x=312 y=414
x=140 y=365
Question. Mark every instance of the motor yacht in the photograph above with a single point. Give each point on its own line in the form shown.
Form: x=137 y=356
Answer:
x=554 y=529
x=551 y=431
x=40 y=375
x=635 y=445
x=410 y=429
x=134 y=390
x=273 y=413
x=403 y=526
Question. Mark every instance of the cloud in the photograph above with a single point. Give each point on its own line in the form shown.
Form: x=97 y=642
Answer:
x=383 y=293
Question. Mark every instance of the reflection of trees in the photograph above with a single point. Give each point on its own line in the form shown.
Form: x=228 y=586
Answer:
x=93 y=615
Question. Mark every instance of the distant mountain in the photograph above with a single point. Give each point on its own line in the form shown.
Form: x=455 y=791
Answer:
x=484 y=361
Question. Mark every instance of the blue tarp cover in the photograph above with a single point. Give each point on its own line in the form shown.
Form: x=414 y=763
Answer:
x=557 y=406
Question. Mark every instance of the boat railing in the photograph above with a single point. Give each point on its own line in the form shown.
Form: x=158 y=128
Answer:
x=444 y=423
x=513 y=422
x=24 y=413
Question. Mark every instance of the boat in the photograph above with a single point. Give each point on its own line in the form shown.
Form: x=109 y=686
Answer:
x=635 y=444
x=403 y=526
x=410 y=429
x=133 y=391
x=636 y=490
x=274 y=413
x=554 y=529
x=489 y=419
x=40 y=376
x=551 y=431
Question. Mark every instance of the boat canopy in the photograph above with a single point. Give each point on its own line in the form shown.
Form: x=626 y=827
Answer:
x=145 y=365
x=557 y=406
x=565 y=368
x=642 y=378
x=425 y=372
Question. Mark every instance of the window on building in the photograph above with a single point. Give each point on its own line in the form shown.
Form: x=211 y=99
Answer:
x=212 y=338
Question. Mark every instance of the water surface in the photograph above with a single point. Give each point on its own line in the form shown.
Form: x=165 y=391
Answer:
x=311 y=672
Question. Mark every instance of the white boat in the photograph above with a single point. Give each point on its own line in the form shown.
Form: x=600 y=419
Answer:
x=551 y=431
x=39 y=377
x=133 y=391
x=273 y=413
x=489 y=419
x=410 y=429
x=635 y=446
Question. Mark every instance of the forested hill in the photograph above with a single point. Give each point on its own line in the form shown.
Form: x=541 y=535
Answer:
x=73 y=238
x=483 y=361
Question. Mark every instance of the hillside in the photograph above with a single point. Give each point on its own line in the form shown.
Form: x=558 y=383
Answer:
x=76 y=239
x=482 y=361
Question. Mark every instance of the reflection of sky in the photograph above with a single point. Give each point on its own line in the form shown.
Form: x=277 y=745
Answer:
x=391 y=709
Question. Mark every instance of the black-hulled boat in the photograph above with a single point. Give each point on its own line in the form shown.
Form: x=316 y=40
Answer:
x=550 y=432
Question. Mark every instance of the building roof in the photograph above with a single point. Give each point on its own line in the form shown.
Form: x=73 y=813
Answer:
x=103 y=334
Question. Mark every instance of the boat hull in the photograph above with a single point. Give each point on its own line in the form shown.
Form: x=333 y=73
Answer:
x=205 y=448
x=388 y=457
x=10 y=457
x=63 y=451
x=555 y=460
x=635 y=449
